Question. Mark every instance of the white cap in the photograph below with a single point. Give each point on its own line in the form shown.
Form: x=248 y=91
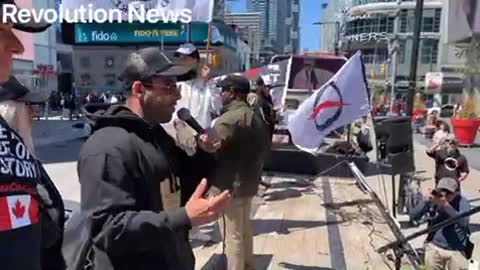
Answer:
x=185 y=49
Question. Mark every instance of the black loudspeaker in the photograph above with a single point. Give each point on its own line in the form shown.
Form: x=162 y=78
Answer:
x=395 y=143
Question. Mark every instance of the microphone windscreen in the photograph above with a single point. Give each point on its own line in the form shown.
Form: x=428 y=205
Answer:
x=184 y=114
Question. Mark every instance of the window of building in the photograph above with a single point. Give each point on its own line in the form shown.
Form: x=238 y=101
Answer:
x=429 y=51
x=110 y=79
x=403 y=21
x=437 y=19
x=85 y=62
x=401 y=51
x=427 y=24
x=390 y=24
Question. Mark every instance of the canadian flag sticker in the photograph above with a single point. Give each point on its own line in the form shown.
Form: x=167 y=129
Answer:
x=17 y=211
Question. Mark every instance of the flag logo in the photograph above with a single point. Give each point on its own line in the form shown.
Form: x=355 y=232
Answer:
x=17 y=211
x=321 y=105
x=340 y=101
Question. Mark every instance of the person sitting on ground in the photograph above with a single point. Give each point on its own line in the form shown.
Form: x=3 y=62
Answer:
x=448 y=247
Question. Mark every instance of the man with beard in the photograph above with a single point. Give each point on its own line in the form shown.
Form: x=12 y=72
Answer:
x=449 y=162
x=31 y=208
x=240 y=159
x=123 y=164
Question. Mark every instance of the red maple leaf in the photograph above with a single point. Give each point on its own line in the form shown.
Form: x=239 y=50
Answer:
x=326 y=104
x=18 y=210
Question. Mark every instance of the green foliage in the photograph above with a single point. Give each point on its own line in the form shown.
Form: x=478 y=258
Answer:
x=468 y=110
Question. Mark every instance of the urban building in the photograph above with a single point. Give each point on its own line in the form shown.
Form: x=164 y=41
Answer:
x=23 y=65
x=45 y=52
x=263 y=8
x=64 y=60
x=383 y=31
x=248 y=27
x=101 y=49
x=279 y=26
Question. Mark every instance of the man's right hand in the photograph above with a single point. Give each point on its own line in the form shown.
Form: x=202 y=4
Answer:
x=202 y=211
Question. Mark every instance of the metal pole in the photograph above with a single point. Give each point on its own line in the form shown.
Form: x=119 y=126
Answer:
x=337 y=37
x=414 y=59
x=396 y=30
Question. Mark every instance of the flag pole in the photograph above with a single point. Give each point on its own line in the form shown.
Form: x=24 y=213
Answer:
x=209 y=40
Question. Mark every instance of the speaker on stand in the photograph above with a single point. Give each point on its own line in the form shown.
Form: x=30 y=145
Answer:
x=395 y=151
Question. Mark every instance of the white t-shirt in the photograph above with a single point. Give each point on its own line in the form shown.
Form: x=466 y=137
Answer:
x=201 y=99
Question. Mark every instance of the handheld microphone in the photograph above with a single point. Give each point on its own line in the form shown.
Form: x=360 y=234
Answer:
x=184 y=115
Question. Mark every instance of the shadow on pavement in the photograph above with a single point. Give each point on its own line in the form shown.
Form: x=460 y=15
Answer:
x=59 y=152
x=302 y=267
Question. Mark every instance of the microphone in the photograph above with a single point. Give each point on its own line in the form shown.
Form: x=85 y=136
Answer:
x=184 y=115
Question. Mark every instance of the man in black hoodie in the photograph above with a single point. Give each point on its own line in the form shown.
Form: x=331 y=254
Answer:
x=122 y=165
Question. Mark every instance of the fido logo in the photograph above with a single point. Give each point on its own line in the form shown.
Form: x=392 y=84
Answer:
x=102 y=36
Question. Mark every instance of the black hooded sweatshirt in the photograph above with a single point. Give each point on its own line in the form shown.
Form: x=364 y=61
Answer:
x=120 y=168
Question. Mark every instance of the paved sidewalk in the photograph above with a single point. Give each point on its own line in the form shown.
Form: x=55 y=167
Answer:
x=46 y=132
x=329 y=224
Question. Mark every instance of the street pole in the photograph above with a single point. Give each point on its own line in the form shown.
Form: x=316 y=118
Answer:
x=395 y=47
x=337 y=37
x=413 y=62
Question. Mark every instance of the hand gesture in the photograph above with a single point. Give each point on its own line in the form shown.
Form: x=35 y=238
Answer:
x=202 y=211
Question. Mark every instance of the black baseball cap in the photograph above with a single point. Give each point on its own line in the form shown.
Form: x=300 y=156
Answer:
x=235 y=82
x=145 y=64
x=30 y=27
x=13 y=89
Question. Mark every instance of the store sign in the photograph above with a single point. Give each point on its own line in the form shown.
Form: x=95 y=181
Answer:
x=368 y=37
x=135 y=32
x=168 y=33
x=433 y=82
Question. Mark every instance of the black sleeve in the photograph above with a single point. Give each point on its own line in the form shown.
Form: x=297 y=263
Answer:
x=420 y=210
x=464 y=206
x=432 y=154
x=109 y=199
x=192 y=170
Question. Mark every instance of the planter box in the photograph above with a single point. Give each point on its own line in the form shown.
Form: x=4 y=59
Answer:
x=465 y=130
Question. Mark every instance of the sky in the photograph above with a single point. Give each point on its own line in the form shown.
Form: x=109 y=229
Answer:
x=310 y=12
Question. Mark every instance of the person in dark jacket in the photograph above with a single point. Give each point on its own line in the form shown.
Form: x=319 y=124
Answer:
x=446 y=248
x=31 y=208
x=449 y=162
x=122 y=165
x=261 y=102
x=245 y=143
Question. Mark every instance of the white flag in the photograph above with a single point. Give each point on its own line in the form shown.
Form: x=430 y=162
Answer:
x=342 y=100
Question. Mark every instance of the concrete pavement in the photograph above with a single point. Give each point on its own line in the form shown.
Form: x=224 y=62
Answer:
x=53 y=131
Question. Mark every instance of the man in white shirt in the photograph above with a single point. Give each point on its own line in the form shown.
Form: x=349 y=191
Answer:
x=202 y=97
